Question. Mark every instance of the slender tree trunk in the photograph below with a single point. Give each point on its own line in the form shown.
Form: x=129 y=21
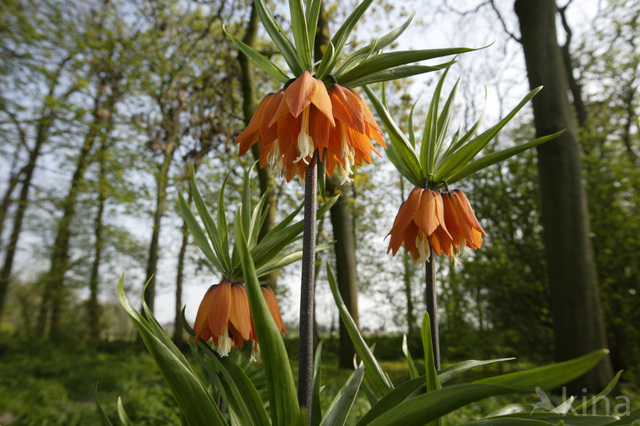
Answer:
x=47 y=117
x=162 y=180
x=14 y=180
x=5 y=274
x=177 y=322
x=93 y=306
x=249 y=104
x=346 y=274
x=575 y=303
x=54 y=281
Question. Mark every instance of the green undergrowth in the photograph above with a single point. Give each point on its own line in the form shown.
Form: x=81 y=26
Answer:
x=47 y=384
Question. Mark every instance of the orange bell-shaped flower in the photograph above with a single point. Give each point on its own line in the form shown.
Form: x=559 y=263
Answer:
x=224 y=316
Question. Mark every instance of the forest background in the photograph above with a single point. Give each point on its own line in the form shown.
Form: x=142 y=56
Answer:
x=103 y=104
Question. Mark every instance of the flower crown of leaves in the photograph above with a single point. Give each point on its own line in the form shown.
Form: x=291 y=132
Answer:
x=366 y=65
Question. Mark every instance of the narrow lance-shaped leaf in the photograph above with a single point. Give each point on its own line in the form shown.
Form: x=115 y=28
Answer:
x=282 y=391
x=388 y=60
x=304 y=49
x=312 y=12
x=316 y=408
x=222 y=222
x=209 y=226
x=403 y=155
x=433 y=405
x=394 y=73
x=373 y=47
x=374 y=371
x=339 y=409
x=198 y=235
x=460 y=158
x=495 y=157
x=340 y=39
x=263 y=63
x=279 y=38
x=194 y=400
x=413 y=371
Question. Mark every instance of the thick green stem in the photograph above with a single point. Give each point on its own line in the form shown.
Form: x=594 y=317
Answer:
x=307 y=292
x=432 y=306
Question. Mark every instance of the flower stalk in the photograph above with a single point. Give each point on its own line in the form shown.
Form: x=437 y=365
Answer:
x=307 y=291
x=431 y=299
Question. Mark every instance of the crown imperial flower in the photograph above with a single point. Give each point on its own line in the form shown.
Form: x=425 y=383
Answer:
x=431 y=220
x=224 y=316
x=303 y=119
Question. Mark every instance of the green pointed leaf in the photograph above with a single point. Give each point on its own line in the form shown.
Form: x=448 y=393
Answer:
x=394 y=73
x=606 y=391
x=222 y=222
x=385 y=61
x=401 y=152
x=413 y=371
x=280 y=237
x=316 y=408
x=339 y=409
x=278 y=37
x=466 y=153
x=548 y=376
x=443 y=121
x=630 y=419
x=425 y=408
x=340 y=39
x=373 y=368
x=431 y=375
x=280 y=262
x=548 y=419
x=312 y=12
x=304 y=49
x=263 y=63
x=122 y=414
x=373 y=48
x=452 y=371
x=195 y=402
x=198 y=235
x=282 y=391
x=104 y=419
x=242 y=393
x=210 y=227
x=393 y=398
x=490 y=159
x=429 y=137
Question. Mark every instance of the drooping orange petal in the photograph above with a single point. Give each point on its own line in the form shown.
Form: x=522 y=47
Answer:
x=239 y=315
x=440 y=212
x=274 y=309
x=407 y=211
x=300 y=93
x=219 y=308
x=347 y=108
x=321 y=100
x=466 y=207
x=425 y=217
x=201 y=324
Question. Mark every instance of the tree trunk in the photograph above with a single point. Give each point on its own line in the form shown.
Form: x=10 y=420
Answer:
x=575 y=305
x=346 y=273
x=54 y=281
x=177 y=322
x=249 y=104
x=93 y=306
x=162 y=180
x=47 y=117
